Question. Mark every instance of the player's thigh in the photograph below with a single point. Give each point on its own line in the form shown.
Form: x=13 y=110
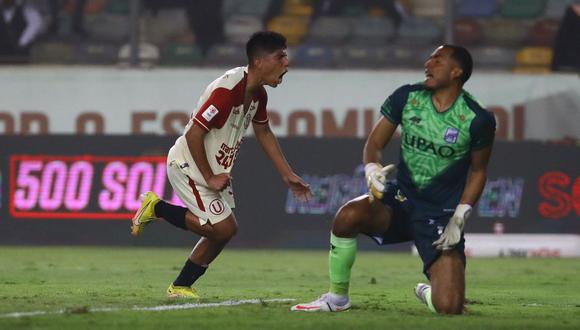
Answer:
x=360 y=215
x=447 y=275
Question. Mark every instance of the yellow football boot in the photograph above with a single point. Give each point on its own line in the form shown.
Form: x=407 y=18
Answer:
x=145 y=214
x=175 y=291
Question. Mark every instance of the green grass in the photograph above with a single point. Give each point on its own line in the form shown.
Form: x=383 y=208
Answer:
x=505 y=293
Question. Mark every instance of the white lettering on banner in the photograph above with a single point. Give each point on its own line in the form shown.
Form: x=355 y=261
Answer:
x=111 y=101
x=209 y=113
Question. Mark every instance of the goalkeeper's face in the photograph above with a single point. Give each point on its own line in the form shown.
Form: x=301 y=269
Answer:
x=273 y=67
x=440 y=69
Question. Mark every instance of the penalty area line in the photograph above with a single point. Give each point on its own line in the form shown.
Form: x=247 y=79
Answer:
x=226 y=303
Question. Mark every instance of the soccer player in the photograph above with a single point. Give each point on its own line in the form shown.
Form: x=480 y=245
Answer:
x=200 y=162
x=446 y=142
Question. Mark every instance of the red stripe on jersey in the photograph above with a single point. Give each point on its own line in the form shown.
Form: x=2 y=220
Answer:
x=224 y=100
x=196 y=194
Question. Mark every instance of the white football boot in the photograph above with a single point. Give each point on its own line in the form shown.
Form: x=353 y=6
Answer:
x=328 y=302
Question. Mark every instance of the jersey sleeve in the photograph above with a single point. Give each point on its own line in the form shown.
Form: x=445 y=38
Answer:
x=393 y=106
x=261 y=115
x=214 y=112
x=482 y=131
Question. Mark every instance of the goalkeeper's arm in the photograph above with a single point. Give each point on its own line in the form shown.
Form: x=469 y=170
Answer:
x=375 y=174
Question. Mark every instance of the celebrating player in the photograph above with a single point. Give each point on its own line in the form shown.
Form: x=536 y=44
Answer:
x=200 y=162
x=446 y=142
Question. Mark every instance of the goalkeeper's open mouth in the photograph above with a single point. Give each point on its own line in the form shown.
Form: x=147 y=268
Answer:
x=281 y=77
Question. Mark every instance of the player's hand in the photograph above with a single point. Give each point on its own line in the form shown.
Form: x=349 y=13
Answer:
x=452 y=233
x=300 y=189
x=219 y=182
x=376 y=177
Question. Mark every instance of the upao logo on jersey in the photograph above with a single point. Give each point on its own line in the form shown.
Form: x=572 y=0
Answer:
x=209 y=113
x=216 y=207
x=451 y=135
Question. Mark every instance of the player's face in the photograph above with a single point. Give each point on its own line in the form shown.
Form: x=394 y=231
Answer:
x=441 y=69
x=273 y=67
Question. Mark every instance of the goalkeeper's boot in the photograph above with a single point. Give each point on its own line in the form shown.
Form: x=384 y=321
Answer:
x=145 y=214
x=420 y=291
x=328 y=302
x=175 y=291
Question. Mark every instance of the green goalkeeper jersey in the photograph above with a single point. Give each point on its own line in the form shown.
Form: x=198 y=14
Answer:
x=436 y=146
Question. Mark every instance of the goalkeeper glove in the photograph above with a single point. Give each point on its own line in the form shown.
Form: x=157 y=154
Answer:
x=452 y=233
x=376 y=176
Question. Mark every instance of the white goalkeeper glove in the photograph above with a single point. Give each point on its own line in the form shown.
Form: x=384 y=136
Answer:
x=452 y=233
x=376 y=176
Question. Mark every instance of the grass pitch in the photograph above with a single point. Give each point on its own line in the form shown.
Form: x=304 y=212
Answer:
x=71 y=284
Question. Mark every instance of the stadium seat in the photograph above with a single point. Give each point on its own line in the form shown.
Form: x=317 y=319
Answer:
x=502 y=32
x=226 y=55
x=148 y=54
x=293 y=27
x=107 y=27
x=118 y=7
x=543 y=33
x=522 y=8
x=429 y=8
x=238 y=29
x=257 y=8
x=181 y=54
x=165 y=26
x=361 y=57
x=555 y=9
x=372 y=30
x=467 y=31
x=477 y=8
x=313 y=56
x=297 y=8
x=420 y=31
x=534 y=56
x=52 y=52
x=490 y=57
x=96 y=53
x=330 y=30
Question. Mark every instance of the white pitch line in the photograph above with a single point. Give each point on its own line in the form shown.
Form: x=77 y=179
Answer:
x=159 y=308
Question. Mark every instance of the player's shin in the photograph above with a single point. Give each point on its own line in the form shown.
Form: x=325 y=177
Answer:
x=341 y=258
x=173 y=214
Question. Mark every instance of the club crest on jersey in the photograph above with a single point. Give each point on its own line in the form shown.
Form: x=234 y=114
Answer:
x=451 y=135
x=209 y=113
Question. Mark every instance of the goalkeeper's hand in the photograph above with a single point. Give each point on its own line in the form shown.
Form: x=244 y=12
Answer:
x=376 y=176
x=452 y=233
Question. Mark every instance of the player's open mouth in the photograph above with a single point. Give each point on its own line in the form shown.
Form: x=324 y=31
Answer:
x=281 y=76
x=428 y=74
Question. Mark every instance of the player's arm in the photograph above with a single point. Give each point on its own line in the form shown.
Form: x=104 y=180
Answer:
x=477 y=176
x=271 y=147
x=375 y=173
x=195 y=137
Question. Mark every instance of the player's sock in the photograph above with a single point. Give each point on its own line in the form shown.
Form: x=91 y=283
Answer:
x=427 y=295
x=341 y=258
x=173 y=214
x=189 y=273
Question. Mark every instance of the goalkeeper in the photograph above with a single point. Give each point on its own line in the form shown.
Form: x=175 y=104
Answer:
x=446 y=142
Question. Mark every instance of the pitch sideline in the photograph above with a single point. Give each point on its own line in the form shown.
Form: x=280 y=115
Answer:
x=226 y=303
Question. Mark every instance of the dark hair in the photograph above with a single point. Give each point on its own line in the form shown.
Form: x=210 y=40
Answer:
x=463 y=58
x=264 y=42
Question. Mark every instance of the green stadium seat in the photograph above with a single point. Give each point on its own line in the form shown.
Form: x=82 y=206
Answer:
x=52 y=52
x=118 y=7
x=522 y=8
x=181 y=54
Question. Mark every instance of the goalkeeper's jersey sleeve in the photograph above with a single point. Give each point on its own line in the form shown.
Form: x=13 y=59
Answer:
x=436 y=146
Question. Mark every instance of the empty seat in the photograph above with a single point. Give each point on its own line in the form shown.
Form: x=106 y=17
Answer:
x=330 y=30
x=467 y=31
x=522 y=8
x=372 y=30
x=543 y=33
x=477 y=8
x=501 y=32
x=293 y=28
x=165 y=26
x=108 y=27
x=238 y=29
x=52 y=52
x=313 y=56
x=356 y=56
x=493 y=57
x=226 y=55
x=245 y=7
x=415 y=31
x=181 y=54
x=429 y=8
x=96 y=53
x=534 y=56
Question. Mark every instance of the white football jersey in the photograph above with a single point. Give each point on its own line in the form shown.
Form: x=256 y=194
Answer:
x=220 y=111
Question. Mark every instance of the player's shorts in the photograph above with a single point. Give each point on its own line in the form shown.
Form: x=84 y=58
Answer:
x=409 y=223
x=207 y=204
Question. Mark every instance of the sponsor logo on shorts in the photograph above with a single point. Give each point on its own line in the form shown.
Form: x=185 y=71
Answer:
x=216 y=207
x=209 y=113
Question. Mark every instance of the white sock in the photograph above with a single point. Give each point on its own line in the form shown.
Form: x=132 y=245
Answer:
x=337 y=299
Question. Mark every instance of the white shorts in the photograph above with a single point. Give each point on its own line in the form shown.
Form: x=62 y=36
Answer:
x=206 y=204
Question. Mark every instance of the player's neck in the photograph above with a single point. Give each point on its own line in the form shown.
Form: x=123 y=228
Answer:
x=253 y=82
x=444 y=98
